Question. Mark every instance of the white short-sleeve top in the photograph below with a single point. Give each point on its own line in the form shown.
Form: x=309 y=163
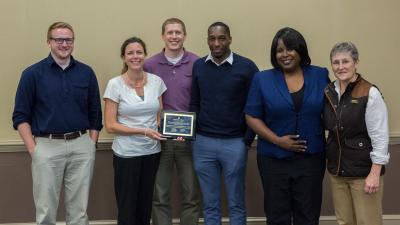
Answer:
x=135 y=112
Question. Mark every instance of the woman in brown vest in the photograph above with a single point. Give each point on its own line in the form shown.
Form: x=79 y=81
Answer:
x=357 y=147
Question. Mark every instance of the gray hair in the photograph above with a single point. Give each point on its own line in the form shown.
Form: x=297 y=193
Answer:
x=345 y=47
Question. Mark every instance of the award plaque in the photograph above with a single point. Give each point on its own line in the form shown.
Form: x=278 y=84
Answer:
x=178 y=124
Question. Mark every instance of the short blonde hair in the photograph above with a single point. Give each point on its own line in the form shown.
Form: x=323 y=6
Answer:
x=172 y=21
x=57 y=25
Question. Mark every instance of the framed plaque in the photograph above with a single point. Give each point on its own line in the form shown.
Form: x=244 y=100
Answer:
x=178 y=124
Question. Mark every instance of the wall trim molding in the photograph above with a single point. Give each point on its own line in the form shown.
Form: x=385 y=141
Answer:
x=105 y=144
x=394 y=138
x=18 y=146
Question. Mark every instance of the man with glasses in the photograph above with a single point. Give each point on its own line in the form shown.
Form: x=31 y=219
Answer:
x=58 y=116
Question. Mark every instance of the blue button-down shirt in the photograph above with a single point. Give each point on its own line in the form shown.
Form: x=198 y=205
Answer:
x=53 y=100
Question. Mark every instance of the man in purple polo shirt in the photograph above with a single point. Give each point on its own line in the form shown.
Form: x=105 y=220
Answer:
x=174 y=65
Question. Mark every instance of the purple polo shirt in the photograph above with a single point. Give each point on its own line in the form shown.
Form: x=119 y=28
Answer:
x=177 y=78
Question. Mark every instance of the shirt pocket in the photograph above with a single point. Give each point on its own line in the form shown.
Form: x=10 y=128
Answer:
x=358 y=144
x=187 y=81
x=358 y=151
x=80 y=92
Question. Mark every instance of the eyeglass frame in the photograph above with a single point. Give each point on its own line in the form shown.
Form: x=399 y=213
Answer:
x=60 y=41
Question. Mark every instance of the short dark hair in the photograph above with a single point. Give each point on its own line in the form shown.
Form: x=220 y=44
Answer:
x=293 y=40
x=220 y=24
x=126 y=43
x=172 y=21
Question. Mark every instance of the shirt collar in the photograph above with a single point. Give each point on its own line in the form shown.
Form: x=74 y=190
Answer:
x=229 y=59
x=51 y=61
x=337 y=85
x=163 y=60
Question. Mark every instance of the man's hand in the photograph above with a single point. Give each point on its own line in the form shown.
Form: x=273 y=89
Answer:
x=24 y=130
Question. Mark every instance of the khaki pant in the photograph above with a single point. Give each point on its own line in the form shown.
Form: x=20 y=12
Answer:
x=352 y=205
x=56 y=162
x=176 y=154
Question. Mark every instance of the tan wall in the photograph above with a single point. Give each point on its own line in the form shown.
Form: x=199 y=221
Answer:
x=101 y=26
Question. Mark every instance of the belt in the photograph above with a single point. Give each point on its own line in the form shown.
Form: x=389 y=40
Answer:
x=66 y=136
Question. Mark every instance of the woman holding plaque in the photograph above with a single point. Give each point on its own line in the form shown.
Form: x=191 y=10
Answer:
x=357 y=147
x=132 y=112
x=284 y=107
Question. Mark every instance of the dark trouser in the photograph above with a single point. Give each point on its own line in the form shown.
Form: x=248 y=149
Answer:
x=292 y=188
x=134 y=184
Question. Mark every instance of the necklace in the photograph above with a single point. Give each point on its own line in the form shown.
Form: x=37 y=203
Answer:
x=135 y=84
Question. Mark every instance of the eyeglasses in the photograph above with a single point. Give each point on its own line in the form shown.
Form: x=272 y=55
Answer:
x=60 y=41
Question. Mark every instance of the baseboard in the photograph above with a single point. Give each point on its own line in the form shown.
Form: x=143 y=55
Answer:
x=324 y=220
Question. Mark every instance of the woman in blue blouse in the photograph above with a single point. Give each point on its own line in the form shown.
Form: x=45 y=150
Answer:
x=284 y=108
